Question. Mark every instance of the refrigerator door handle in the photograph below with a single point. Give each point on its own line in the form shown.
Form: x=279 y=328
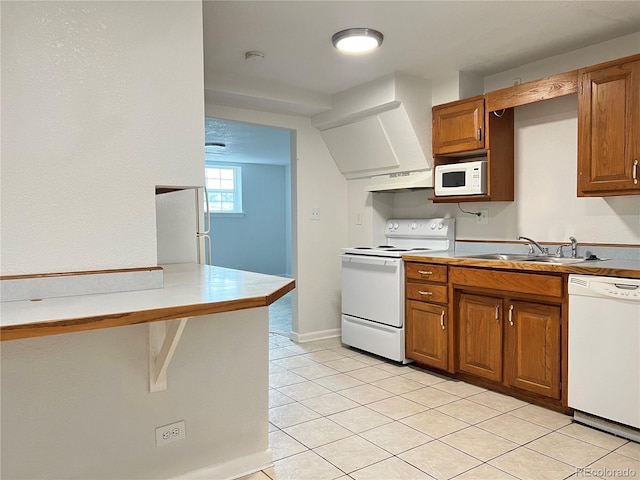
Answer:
x=207 y=223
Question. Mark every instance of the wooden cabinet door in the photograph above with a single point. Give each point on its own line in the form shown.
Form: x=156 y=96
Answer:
x=480 y=336
x=459 y=127
x=608 y=126
x=426 y=333
x=532 y=339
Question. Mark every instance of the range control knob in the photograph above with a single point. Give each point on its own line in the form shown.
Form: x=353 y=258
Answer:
x=440 y=226
x=414 y=225
x=395 y=226
x=390 y=226
x=433 y=226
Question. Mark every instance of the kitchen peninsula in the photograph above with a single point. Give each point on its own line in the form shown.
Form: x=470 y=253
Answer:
x=98 y=381
x=189 y=290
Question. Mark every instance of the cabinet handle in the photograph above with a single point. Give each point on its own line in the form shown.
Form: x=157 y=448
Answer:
x=635 y=171
x=497 y=313
x=424 y=293
x=511 y=315
x=425 y=272
x=442 y=319
x=479 y=134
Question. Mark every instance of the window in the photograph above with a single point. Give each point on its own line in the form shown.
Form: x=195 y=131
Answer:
x=224 y=188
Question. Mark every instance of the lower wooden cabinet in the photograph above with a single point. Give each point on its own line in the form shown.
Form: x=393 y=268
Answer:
x=480 y=336
x=532 y=340
x=515 y=343
x=426 y=335
x=503 y=328
x=427 y=326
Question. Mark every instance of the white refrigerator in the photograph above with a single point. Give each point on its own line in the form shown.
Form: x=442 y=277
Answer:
x=182 y=226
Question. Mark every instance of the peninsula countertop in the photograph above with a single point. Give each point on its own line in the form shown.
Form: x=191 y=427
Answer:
x=612 y=267
x=189 y=290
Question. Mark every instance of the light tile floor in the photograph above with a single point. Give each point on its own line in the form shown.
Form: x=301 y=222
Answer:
x=337 y=413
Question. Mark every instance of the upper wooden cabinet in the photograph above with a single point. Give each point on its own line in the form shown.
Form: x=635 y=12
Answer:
x=459 y=126
x=608 y=126
x=465 y=130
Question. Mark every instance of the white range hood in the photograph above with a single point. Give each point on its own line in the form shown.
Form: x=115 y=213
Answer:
x=382 y=129
x=401 y=181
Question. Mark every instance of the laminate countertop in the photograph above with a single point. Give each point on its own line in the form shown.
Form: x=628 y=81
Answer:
x=609 y=268
x=189 y=290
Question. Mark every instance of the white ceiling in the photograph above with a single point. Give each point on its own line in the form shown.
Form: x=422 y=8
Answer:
x=246 y=143
x=301 y=69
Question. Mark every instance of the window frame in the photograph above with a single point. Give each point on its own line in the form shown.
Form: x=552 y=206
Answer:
x=237 y=191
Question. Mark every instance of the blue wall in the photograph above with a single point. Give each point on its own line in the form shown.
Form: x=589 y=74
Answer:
x=255 y=241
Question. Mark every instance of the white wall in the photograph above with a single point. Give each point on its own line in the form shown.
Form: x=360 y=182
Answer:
x=78 y=405
x=598 y=53
x=256 y=240
x=546 y=207
x=101 y=101
x=318 y=184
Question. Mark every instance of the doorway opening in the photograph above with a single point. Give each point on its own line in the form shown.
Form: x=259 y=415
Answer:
x=250 y=189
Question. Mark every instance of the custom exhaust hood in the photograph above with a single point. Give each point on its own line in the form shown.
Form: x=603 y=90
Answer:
x=382 y=131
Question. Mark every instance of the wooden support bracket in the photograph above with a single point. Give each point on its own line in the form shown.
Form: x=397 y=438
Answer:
x=163 y=340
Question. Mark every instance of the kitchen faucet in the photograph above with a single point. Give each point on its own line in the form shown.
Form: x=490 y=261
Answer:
x=543 y=250
x=573 y=245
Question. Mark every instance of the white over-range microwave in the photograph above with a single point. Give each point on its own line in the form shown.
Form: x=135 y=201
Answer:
x=464 y=178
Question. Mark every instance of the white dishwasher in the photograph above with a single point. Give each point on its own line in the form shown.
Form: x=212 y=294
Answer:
x=604 y=353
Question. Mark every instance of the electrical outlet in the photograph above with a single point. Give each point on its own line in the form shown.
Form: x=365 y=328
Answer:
x=315 y=214
x=483 y=218
x=359 y=218
x=170 y=433
x=517 y=81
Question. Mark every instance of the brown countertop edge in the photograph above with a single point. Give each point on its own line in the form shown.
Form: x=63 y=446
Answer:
x=69 y=325
x=586 y=268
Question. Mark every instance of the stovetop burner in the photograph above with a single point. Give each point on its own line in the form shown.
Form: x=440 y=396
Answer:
x=411 y=235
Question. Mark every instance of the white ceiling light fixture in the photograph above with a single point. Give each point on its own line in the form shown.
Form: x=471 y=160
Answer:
x=214 y=148
x=357 y=40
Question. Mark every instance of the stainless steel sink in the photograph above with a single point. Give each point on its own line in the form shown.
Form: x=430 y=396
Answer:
x=507 y=257
x=518 y=257
x=556 y=260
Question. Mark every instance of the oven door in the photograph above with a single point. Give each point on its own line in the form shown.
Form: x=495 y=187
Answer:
x=373 y=289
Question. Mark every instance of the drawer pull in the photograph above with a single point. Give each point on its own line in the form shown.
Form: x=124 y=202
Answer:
x=424 y=293
x=511 y=315
x=442 y=319
x=635 y=171
x=425 y=272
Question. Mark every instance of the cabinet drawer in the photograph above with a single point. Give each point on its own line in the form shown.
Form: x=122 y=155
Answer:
x=427 y=271
x=531 y=283
x=427 y=292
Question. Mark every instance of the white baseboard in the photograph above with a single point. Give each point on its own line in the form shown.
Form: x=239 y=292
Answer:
x=319 y=335
x=232 y=469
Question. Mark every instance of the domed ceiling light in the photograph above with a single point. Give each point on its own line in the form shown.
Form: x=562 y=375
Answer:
x=357 y=40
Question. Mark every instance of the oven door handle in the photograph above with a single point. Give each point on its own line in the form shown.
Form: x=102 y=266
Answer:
x=369 y=260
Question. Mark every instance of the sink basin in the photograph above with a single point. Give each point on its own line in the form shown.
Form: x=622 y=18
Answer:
x=507 y=257
x=556 y=260
x=519 y=257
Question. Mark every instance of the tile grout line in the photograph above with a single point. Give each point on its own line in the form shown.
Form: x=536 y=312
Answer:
x=394 y=395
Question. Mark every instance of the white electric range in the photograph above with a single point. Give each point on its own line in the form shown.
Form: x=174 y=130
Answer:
x=373 y=284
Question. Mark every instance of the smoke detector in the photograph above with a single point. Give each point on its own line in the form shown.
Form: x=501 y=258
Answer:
x=254 y=56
